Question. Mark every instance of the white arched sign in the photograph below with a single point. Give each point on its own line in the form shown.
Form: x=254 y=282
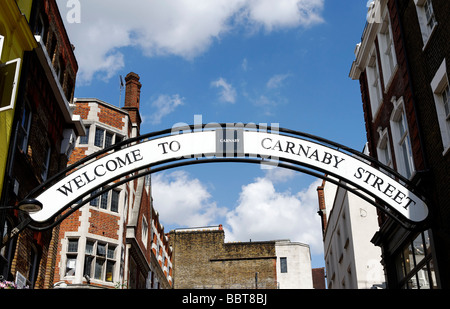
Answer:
x=237 y=143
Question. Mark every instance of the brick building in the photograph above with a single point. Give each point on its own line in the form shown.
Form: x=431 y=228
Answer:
x=402 y=65
x=202 y=259
x=44 y=129
x=115 y=239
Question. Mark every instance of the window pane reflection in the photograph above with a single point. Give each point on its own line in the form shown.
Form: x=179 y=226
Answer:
x=415 y=268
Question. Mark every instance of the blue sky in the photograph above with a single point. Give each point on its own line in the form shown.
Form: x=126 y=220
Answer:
x=280 y=62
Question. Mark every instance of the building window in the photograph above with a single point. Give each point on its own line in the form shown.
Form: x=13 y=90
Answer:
x=374 y=81
x=24 y=127
x=46 y=162
x=2 y=41
x=429 y=13
x=383 y=148
x=401 y=140
x=99 y=137
x=7 y=251
x=71 y=257
x=40 y=27
x=446 y=102
x=283 y=264
x=387 y=49
x=85 y=139
x=108 y=200
x=33 y=266
x=427 y=18
x=105 y=139
x=114 y=207
x=9 y=81
x=144 y=231
x=441 y=92
x=415 y=267
x=99 y=261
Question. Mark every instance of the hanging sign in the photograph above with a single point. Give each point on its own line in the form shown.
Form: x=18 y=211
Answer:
x=230 y=143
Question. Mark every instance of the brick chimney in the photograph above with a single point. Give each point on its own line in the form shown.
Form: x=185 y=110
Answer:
x=322 y=207
x=132 y=99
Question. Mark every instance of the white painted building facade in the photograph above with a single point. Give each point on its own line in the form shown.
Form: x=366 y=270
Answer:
x=293 y=265
x=351 y=260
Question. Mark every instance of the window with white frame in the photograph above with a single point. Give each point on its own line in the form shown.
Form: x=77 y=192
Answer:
x=71 y=257
x=441 y=92
x=100 y=260
x=401 y=139
x=46 y=162
x=283 y=264
x=2 y=41
x=40 y=27
x=374 y=81
x=85 y=139
x=427 y=18
x=429 y=14
x=144 y=231
x=383 y=148
x=24 y=127
x=107 y=201
x=387 y=50
x=104 y=138
x=9 y=80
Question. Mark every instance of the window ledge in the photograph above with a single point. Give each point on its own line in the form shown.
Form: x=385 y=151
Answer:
x=430 y=36
x=446 y=150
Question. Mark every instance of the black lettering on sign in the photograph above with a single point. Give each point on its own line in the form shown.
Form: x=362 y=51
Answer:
x=173 y=146
x=98 y=171
x=383 y=187
x=298 y=149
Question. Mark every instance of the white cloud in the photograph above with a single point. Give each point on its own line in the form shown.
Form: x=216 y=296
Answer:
x=163 y=106
x=284 y=13
x=276 y=81
x=280 y=175
x=175 y=27
x=244 y=64
x=228 y=93
x=267 y=104
x=183 y=201
x=264 y=213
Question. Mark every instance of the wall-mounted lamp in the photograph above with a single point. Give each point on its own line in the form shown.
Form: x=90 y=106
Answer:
x=30 y=206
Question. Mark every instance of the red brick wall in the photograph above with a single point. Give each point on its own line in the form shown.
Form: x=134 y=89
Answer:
x=111 y=117
x=103 y=224
x=82 y=109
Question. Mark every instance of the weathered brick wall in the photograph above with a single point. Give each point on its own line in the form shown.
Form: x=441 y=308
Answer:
x=201 y=259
